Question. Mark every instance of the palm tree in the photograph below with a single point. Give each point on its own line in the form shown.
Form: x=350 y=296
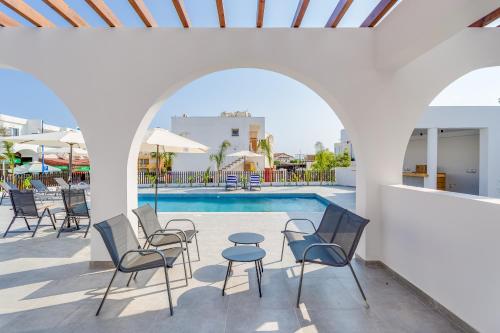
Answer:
x=9 y=154
x=220 y=156
x=166 y=159
x=266 y=147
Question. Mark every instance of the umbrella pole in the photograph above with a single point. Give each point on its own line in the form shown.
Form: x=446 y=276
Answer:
x=157 y=175
x=70 y=174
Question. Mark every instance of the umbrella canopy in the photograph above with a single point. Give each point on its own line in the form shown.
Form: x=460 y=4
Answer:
x=244 y=153
x=51 y=139
x=34 y=167
x=170 y=142
x=65 y=150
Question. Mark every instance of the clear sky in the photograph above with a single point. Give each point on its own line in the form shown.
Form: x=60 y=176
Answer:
x=295 y=115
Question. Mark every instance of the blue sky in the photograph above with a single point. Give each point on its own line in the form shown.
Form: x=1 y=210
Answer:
x=286 y=104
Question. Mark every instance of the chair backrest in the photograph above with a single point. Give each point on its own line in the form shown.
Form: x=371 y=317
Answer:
x=7 y=186
x=23 y=203
x=38 y=185
x=75 y=202
x=61 y=182
x=254 y=179
x=148 y=219
x=342 y=227
x=118 y=237
x=231 y=179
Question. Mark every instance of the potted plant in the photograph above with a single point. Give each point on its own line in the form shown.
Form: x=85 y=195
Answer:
x=206 y=177
x=191 y=181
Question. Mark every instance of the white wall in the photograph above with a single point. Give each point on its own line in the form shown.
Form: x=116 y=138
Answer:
x=212 y=131
x=447 y=245
x=345 y=176
x=458 y=156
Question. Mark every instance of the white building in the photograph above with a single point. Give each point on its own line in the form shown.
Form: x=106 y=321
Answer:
x=345 y=143
x=239 y=128
x=14 y=126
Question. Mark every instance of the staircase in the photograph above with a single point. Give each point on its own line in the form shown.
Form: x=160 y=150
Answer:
x=233 y=164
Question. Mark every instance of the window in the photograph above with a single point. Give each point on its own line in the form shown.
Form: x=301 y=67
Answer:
x=235 y=132
x=14 y=131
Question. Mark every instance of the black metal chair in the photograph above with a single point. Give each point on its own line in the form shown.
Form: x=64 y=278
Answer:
x=6 y=188
x=155 y=233
x=76 y=208
x=24 y=206
x=333 y=243
x=128 y=257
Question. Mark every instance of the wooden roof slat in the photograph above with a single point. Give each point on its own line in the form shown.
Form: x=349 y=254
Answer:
x=338 y=13
x=377 y=13
x=30 y=14
x=62 y=8
x=220 y=12
x=181 y=11
x=484 y=21
x=260 y=13
x=142 y=10
x=100 y=7
x=299 y=13
x=7 y=21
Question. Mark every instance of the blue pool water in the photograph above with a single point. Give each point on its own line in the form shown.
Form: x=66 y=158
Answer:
x=290 y=202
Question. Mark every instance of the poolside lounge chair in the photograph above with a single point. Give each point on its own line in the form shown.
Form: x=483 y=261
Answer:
x=332 y=244
x=6 y=188
x=24 y=207
x=42 y=191
x=128 y=257
x=76 y=208
x=255 y=182
x=64 y=185
x=155 y=234
x=231 y=182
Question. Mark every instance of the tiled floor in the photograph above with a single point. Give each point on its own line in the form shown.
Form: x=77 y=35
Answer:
x=46 y=286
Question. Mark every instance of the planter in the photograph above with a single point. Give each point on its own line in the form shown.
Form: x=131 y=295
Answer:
x=268 y=175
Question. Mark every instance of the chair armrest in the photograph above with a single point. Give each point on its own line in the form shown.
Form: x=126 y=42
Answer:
x=143 y=252
x=164 y=232
x=333 y=245
x=184 y=220
x=300 y=219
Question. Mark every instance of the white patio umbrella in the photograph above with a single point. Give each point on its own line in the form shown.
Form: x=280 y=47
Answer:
x=66 y=150
x=33 y=167
x=169 y=142
x=244 y=154
x=63 y=139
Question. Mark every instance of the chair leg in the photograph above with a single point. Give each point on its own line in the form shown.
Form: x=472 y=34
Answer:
x=62 y=226
x=259 y=276
x=130 y=278
x=359 y=285
x=27 y=223
x=300 y=283
x=107 y=291
x=8 y=228
x=229 y=265
x=282 y=247
x=197 y=246
x=37 y=224
x=1 y=199
x=88 y=227
x=189 y=260
x=184 y=265
x=52 y=220
x=168 y=291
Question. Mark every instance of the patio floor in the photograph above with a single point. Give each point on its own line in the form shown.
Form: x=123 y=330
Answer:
x=46 y=285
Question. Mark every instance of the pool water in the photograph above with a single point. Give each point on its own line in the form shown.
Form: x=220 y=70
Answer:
x=290 y=202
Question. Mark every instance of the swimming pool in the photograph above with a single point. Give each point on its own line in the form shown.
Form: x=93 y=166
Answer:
x=241 y=202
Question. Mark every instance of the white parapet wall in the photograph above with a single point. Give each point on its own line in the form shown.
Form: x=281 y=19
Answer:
x=447 y=245
x=345 y=176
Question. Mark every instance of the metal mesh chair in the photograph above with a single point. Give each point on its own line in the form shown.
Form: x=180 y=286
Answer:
x=155 y=234
x=6 y=188
x=24 y=206
x=333 y=243
x=128 y=257
x=42 y=191
x=76 y=208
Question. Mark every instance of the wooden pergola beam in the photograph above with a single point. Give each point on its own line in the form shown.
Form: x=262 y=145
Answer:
x=7 y=21
x=100 y=7
x=377 y=13
x=484 y=21
x=143 y=12
x=220 y=12
x=299 y=13
x=181 y=12
x=30 y=14
x=62 y=8
x=338 y=13
x=260 y=13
